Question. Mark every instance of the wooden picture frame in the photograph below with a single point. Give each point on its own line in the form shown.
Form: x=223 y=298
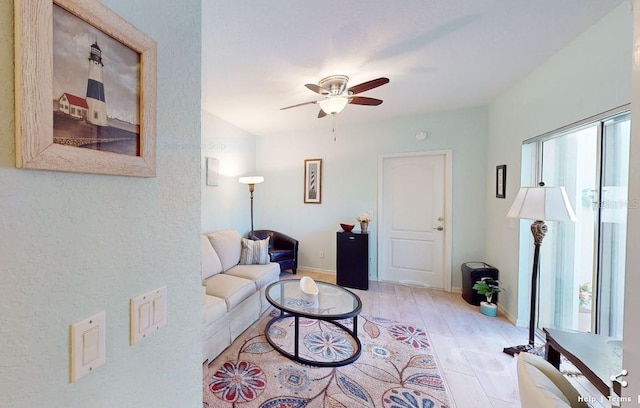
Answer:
x=35 y=101
x=501 y=180
x=313 y=181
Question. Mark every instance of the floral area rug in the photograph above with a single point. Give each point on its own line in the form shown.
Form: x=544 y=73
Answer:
x=397 y=368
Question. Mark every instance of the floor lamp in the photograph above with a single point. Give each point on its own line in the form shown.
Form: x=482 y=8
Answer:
x=251 y=181
x=538 y=204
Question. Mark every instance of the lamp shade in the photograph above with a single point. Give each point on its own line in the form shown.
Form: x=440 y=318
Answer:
x=251 y=180
x=334 y=104
x=543 y=204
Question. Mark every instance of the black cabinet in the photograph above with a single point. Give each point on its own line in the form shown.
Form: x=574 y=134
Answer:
x=352 y=260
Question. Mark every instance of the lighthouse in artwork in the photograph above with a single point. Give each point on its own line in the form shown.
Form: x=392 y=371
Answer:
x=97 y=114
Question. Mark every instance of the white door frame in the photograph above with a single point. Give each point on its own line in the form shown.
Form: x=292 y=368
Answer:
x=448 y=188
x=631 y=335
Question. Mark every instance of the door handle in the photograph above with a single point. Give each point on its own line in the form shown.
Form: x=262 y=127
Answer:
x=440 y=228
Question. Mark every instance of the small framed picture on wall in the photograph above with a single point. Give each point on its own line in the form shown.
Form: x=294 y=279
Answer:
x=313 y=181
x=212 y=171
x=501 y=180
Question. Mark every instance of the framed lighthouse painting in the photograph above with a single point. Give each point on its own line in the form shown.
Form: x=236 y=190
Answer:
x=85 y=90
x=313 y=181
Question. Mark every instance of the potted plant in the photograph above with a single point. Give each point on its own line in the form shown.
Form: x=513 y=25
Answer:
x=488 y=287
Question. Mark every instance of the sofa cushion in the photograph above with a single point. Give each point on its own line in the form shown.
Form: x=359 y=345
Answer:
x=254 y=252
x=210 y=260
x=214 y=308
x=230 y=288
x=227 y=246
x=262 y=275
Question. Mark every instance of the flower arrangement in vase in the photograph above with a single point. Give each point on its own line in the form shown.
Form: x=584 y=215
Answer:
x=364 y=219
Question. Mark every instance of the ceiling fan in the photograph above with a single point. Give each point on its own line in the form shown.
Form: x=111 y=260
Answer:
x=337 y=95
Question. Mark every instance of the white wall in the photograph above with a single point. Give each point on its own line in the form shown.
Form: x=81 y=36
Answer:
x=227 y=206
x=589 y=76
x=349 y=181
x=72 y=245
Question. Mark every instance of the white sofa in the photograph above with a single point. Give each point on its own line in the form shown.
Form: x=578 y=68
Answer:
x=233 y=294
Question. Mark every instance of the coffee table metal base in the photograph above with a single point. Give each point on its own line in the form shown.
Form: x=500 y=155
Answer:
x=295 y=356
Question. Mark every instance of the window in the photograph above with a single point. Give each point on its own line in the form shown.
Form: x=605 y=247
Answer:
x=582 y=263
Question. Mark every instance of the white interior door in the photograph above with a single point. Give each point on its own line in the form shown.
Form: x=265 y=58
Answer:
x=413 y=224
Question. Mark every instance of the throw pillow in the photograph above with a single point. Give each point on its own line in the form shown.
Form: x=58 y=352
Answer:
x=254 y=252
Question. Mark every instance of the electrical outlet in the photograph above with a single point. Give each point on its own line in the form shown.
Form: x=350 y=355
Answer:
x=321 y=254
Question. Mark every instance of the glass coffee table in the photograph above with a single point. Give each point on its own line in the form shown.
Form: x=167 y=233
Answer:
x=334 y=344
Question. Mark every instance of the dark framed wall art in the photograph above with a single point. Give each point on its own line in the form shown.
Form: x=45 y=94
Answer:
x=313 y=181
x=501 y=180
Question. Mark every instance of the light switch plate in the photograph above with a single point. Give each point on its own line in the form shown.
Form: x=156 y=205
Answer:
x=148 y=314
x=87 y=346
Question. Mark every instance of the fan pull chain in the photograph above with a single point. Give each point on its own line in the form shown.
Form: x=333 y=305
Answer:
x=334 y=126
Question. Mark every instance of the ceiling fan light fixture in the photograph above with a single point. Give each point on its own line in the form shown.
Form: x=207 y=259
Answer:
x=336 y=94
x=334 y=104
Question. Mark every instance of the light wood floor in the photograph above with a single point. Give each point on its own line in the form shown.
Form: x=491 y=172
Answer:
x=468 y=345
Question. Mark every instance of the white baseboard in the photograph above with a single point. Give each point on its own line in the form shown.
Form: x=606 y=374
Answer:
x=511 y=318
x=456 y=290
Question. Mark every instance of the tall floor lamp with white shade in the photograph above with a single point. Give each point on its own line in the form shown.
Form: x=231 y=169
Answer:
x=251 y=182
x=539 y=204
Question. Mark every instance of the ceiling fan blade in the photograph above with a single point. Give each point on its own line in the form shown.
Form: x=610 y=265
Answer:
x=365 y=86
x=299 y=104
x=321 y=114
x=315 y=88
x=363 y=100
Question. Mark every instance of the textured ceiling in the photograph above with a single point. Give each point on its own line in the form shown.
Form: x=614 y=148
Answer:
x=438 y=54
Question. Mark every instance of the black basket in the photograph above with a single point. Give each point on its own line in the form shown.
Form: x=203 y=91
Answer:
x=473 y=272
